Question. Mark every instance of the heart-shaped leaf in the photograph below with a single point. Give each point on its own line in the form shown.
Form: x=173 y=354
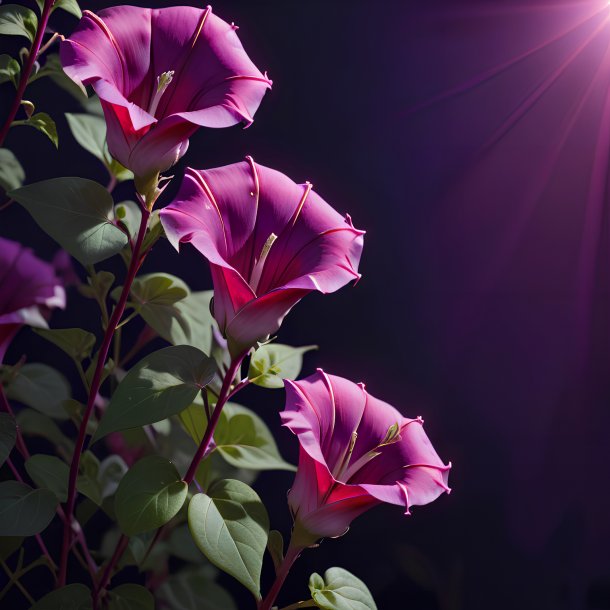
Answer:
x=272 y=363
x=41 y=387
x=77 y=213
x=230 y=526
x=149 y=495
x=160 y=385
x=24 y=511
x=340 y=590
x=49 y=472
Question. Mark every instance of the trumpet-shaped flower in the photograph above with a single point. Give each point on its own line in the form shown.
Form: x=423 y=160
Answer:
x=160 y=74
x=269 y=242
x=356 y=452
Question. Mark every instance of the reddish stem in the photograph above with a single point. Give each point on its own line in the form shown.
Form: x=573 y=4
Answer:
x=209 y=432
x=121 y=547
x=136 y=261
x=292 y=555
x=225 y=394
x=27 y=69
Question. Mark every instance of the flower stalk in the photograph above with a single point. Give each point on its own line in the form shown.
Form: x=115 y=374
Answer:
x=27 y=68
x=292 y=554
x=136 y=262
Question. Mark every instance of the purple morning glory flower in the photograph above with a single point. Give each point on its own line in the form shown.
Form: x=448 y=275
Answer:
x=269 y=242
x=28 y=288
x=160 y=74
x=356 y=452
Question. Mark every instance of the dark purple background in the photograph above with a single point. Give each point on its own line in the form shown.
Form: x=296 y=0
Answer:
x=484 y=300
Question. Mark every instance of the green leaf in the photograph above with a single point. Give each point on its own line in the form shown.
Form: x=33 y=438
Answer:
x=130 y=214
x=24 y=511
x=89 y=130
x=53 y=69
x=131 y=597
x=230 y=526
x=149 y=495
x=88 y=479
x=70 y=6
x=340 y=590
x=34 y=423
x=49 y=472
x=98 y=286
x=275 y=546
x=9 y=70
x=272 y=363
x=182 y=545
x=194 y=322
x=76 y=342
x=167 y=305
x=8 y=436
x=18 y=20
x=77 y=214
x=160 y=385
x=70 y=597
x=11 y=172
x=41 y=387
x=44 y=123
x=154 y=296
x=242 y=438
x=193 y=589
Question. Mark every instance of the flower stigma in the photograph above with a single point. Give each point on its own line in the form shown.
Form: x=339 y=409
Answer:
x=163 y=82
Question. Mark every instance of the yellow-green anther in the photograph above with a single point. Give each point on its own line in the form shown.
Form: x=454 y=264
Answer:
x=391 y=436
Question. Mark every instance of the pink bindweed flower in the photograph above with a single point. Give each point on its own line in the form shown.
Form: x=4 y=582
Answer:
x=355 y=452
x=29 y=287
x=160 y=74
x=269 y=242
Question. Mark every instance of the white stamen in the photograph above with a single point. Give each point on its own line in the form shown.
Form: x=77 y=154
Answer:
x=260 y=263
x=163 y=82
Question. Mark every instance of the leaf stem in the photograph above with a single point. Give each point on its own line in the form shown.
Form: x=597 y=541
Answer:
x=292 y=555
x=225 y=393
x=27 y=69
x=121 y=547
x=14 y=580
x=115 y=318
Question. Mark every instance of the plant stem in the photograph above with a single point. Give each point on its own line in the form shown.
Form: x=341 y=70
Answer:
x=203 y=446
x=291 y=556
x=14 y=580
x=27 y=69
x=209 y=432
x=136 y=261
x=121 y=547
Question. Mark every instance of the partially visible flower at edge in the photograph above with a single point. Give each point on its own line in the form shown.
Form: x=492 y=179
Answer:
x=29 y=288
x=356 y=452
x=269 y=242
x=160 y=74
